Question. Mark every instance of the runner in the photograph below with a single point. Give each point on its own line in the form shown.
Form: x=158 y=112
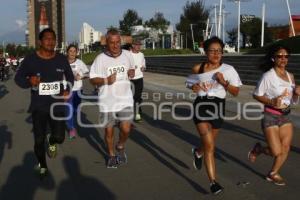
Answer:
x=2 y=66
x=111 y=71
x=277 y=91
x=43 y=72
x=137 y=80
x=80 y=71
x=211 y=80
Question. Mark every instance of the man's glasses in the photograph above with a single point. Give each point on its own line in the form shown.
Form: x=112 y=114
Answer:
x=215 y=51
x=282 y=56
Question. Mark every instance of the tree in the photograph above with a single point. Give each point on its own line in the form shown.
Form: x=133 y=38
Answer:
x=130 y=18
x=232 y=36
x=196 y=14
x=251 y=32
x=158 y=22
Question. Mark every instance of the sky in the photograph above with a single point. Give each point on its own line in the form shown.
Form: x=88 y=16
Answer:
x=103 y=13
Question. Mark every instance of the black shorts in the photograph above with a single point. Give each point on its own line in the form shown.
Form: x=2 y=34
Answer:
x=209 y=109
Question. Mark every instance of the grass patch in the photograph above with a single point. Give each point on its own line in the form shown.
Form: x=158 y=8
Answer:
x=89 y=58
x=151 y=52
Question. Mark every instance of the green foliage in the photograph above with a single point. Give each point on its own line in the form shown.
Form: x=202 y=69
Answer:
x=158 y=22
x=196 y=14
x=232 y=36
x=151 y=52
x=130 y=18
x=89 y=58
x=251 y=32
x=18 y=50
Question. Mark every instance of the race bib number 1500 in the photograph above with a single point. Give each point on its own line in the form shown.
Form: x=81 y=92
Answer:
x=51 y=88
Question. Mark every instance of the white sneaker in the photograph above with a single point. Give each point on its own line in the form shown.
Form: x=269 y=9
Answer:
x=138 y=117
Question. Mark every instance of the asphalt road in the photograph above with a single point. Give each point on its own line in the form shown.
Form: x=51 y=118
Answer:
x=159 y=158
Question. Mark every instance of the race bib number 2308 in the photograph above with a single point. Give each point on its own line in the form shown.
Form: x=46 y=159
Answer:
x=51 y=88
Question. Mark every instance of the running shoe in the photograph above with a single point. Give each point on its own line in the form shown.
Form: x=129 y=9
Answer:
x=43 y=173
x=254 y=152
x=52 y=150
x=197 y=159
x=112 y=162
x=121 y=156
x=275 y=178
x=216 y=188
x=72 y=134
x=138 y=117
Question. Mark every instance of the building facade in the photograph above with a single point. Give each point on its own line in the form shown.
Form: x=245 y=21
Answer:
x=43 y=14
x=296 y=23
x=88 y=36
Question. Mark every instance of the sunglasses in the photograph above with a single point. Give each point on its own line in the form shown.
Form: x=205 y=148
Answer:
x=215 y=51
x=282 y=56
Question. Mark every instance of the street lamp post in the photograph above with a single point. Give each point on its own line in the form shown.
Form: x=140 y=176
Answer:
x=291 y=21
x=263 y=24
x=239 y=21
x=191 y=25
x=225 y=13
x=220 y=19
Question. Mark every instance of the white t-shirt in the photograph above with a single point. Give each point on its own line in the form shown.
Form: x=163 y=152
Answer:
x=272 y=86
x=78 y=67
x=139 y=62
x=208 y=80
x=117 y=96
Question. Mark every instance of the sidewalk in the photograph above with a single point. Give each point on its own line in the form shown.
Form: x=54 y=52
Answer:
x=176 y=84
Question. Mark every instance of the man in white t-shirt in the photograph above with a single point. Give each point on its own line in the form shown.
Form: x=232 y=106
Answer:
x=137 y=80
x=111 y=71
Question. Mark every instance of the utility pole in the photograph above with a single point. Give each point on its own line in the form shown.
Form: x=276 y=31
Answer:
x=263 y=24
x=191 y=25
x=220 y=19
x=216 y=24
x=290 y=16
x=239 y=21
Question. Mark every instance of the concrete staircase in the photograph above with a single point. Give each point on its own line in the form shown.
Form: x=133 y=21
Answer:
x=246 y=65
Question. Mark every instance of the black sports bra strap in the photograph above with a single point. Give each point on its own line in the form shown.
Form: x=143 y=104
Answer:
x=201 y=69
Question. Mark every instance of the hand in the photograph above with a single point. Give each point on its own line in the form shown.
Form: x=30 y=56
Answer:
x=111 y=79
x=143 y=68
x=297 y=90
x=276 y=102
x=34 y=81
x=197 y=88
x=66 y=95
x=77 y=77
x=220 y=78
x=131 y=73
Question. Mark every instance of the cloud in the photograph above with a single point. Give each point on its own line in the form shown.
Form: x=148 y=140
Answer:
x=20 y=24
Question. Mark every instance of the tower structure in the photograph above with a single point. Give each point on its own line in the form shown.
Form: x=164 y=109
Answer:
x=43 y=14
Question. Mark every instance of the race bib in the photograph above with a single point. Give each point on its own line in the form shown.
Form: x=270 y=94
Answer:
x=51 y=88
x=120 y=70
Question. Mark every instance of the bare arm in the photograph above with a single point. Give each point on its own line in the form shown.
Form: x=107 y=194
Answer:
x=103 y=81
x=230 y=88
x=275 y=102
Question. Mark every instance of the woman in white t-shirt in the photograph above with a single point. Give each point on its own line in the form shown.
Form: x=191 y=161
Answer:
x=80 y=72
x=277 y=91
x=211 y=80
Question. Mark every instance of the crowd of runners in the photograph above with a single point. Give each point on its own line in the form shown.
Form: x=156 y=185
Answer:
x=56 y=83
